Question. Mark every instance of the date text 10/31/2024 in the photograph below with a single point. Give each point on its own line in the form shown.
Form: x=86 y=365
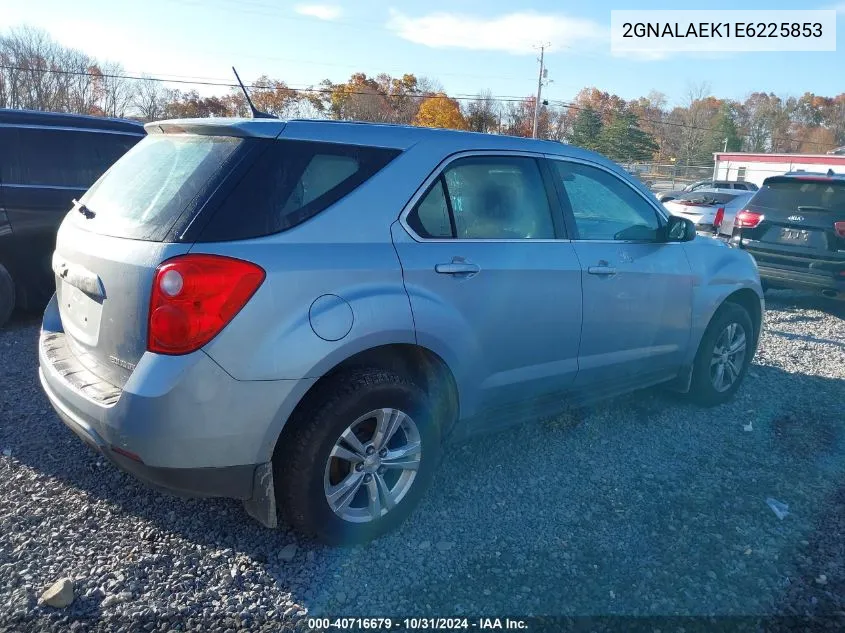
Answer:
x=416 y=624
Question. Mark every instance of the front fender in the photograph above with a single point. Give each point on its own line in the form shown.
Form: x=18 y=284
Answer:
x=718 y=272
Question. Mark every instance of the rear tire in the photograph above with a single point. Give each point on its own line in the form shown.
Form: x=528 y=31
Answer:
x=344 y=420
x=7 y=295
x=728 y=342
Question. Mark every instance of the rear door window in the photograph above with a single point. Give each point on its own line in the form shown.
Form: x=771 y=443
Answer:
x=488 y=198
x=145 y=192
x=291 y=182
x=430 y=218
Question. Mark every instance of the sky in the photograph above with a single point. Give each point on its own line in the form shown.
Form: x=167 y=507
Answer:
x=467 y=45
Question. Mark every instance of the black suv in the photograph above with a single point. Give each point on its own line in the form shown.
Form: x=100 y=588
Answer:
x=794 y=226
x=46 y=160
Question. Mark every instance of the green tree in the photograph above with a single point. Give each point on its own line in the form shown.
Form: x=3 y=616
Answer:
x=586 y=129
x=624 y=140
x=725 y=129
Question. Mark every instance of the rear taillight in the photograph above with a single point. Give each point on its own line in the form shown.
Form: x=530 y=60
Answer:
x=839 y=229
x=194 y=297
x=747 y=219
x=720 y=215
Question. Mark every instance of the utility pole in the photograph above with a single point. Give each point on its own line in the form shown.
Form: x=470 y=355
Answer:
x=540 y=78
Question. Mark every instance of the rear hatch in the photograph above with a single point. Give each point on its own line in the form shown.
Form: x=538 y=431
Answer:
x=112 y=240
x=800 y=224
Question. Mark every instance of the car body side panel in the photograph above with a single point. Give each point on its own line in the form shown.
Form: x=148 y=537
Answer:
x=637 y=321
x=279 y=335
x=451 y=328
x=718 y=271
x=333 y=253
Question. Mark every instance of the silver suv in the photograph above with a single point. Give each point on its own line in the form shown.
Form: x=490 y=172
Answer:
x=299 y=314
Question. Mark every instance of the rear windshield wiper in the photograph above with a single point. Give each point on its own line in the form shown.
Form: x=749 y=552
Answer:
x=88 y=213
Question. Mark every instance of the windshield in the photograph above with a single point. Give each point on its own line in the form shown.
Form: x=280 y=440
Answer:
x=145 y=192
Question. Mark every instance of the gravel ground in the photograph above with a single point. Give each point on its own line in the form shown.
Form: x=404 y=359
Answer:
x=645 y=506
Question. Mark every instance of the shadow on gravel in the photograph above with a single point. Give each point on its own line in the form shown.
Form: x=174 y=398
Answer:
x=644 y=505
x=21 y=320
x=806 y=338
x=791 y=300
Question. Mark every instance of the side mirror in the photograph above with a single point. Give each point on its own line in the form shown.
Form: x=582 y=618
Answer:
x=680 y=229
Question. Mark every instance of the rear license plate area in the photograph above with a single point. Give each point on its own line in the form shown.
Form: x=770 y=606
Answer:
x=794 y=236
x=80 y=314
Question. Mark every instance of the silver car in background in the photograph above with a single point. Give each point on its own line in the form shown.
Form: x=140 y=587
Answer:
x=712 y=211
x=299 y=314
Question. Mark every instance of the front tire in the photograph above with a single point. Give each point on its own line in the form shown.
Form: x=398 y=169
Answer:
x=7 y=295
x=723 y=356
x=354 y=466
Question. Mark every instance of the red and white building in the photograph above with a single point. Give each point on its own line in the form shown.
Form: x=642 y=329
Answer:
x=756 y=168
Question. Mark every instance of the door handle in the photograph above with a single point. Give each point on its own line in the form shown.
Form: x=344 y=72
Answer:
x=603 y=268
x=457 y=268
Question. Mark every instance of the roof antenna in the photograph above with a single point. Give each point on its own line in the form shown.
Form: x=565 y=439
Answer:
x=256 y=113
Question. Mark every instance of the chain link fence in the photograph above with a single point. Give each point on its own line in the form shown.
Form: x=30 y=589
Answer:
x=669 y=176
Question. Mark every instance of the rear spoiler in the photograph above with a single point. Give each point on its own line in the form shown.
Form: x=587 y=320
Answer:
x=830 y=177
x=241 y=128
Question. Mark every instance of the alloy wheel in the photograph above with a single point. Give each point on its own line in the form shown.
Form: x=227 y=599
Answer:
x=728 y=357
x=372 y=465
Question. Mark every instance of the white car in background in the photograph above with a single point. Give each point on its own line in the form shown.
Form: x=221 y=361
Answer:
x=712 y=211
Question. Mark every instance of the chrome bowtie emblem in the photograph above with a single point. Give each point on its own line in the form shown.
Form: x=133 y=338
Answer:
x=796 y=218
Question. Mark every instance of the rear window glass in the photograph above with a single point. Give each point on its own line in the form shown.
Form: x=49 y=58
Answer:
x=145 y=193
x=47 y=157
x=788 y=195
x=707 y=197
x=291 y=182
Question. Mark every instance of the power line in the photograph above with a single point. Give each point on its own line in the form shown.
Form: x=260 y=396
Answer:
x=223 y=84
x=317 y=90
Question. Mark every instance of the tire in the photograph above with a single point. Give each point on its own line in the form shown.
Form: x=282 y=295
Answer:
x=305 y=472
x=7 y=295
x=704 y=389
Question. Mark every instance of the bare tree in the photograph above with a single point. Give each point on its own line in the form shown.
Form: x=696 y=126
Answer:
x=482 y=113
x=116 y=90
x=149 y=98
x=694 y=121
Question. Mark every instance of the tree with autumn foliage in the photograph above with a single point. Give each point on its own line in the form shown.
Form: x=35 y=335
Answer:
x=382 y=99
x=441 y=111
x=37 y=72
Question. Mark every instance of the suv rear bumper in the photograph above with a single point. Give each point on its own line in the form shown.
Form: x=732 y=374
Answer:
x=802 y=280
x=227 y=481
x=180 y=423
